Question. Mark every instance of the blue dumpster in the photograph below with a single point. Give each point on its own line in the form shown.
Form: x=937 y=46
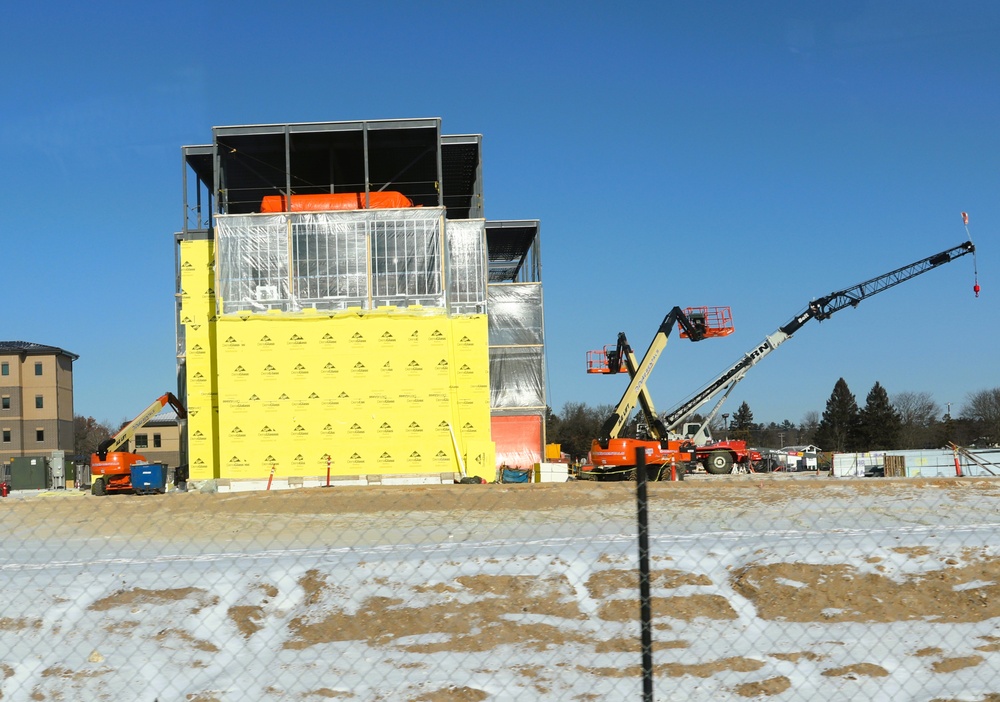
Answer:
x=149 y=478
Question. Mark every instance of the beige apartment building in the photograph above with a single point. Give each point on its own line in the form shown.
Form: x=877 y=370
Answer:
x=36 y=400
x=158 y=440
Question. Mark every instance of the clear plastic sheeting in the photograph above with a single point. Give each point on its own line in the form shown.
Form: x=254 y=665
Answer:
x=337 y=260
x=330 y=255
x=516 y=377
x=517 y=353
x=406 y=260
x=253 y=262
x=516 y=314
x=181 y=340
x=466 y=241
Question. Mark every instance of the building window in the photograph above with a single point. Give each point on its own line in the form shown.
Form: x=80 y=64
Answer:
x=156 y=441
x=4 y=369
x=141 y=441
x=5 y=402
x=38 y=369
x=39 y=435
x=39 y=402
x=6 y=436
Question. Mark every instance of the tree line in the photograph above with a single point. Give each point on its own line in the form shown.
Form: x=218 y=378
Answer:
x=907 y=420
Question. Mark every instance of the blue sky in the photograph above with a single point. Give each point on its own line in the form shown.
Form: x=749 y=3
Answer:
x=755 y=155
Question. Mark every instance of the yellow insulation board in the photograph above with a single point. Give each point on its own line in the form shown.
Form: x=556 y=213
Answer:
x=197 y=315
x=389 y=391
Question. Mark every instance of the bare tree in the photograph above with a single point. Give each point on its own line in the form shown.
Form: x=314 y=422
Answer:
x=983 y=407
x=577 y=426
x=87 y=434
x=808 y=426
x=918 y=414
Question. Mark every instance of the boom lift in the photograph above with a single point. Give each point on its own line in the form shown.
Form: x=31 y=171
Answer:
x=111 y=469
x=820 y=309
x=717 y=456
x=614 y=456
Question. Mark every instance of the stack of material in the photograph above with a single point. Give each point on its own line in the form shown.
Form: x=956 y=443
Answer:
x=551 y=472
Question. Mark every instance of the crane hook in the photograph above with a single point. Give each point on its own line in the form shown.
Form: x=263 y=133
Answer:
x=975 y=266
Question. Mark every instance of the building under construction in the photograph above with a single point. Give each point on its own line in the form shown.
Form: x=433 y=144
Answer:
x=343 y=304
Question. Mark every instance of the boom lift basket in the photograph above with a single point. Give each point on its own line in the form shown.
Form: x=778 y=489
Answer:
x=597 y=361
x=714 y=321
x=711 y=321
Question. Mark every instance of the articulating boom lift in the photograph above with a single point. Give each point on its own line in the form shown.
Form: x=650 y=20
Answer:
x=112 y=469
x=613 y=456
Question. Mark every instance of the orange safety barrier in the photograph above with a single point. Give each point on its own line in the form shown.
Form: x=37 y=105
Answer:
x=323 y=202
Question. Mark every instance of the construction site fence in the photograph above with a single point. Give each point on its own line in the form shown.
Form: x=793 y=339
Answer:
x=935 y=463
x=786 y=587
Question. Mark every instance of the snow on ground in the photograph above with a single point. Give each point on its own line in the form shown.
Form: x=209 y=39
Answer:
x=762 y=589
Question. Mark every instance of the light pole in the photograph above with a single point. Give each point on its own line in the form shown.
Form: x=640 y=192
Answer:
x=725 y=422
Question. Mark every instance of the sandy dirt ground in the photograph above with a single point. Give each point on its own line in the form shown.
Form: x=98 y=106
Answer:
x=762 y=589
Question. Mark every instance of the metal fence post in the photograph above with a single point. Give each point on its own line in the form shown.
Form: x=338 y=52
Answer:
x=645 y=610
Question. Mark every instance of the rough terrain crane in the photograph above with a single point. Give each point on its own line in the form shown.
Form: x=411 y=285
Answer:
x=111 y=469
x=819 y=309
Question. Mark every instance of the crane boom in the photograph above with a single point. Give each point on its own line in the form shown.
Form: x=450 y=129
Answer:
x=819 y=309
x=126 y=432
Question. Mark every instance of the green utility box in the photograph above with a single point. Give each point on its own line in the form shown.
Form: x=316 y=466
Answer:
x=29 y=473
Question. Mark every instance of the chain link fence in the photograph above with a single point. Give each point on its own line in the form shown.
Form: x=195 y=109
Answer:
x=793 y=587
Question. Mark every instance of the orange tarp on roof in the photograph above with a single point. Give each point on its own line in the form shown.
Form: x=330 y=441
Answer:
x=335 y=201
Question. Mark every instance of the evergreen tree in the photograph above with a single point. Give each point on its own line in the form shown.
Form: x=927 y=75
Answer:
x=946 y=432
x=743 y=419
x=552 y=423
x=742 y=423
x=838 y=429
x=879 y=423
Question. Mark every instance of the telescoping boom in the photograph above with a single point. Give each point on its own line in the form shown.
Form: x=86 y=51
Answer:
x=126 y=433
x=820 y=309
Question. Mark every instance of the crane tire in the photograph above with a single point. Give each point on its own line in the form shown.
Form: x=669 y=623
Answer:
x=719 y=463
x=99 y=487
